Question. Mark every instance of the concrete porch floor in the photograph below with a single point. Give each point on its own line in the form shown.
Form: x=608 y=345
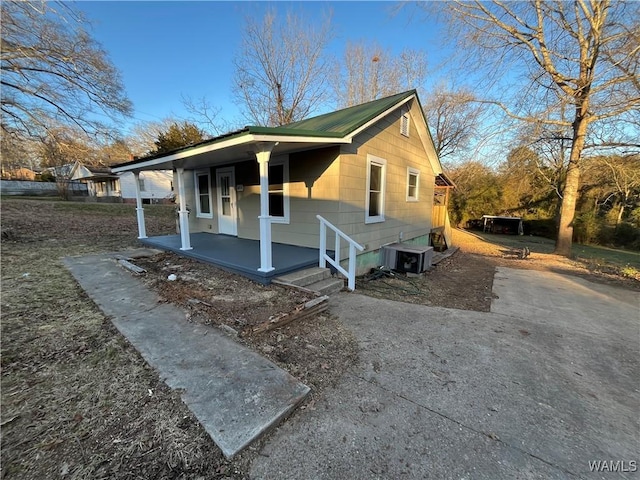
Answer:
x=239 y=255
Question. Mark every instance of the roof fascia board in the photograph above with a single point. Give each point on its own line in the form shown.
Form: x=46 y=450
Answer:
x=427 y=141
x=298 y=139
x=429 y=147
x=186 y=154
x=245 y=139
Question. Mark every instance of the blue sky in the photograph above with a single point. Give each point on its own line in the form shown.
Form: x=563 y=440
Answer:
x=167 y=49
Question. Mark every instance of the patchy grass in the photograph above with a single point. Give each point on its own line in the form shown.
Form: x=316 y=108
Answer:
x=598 y=263
x=609 y=255
x=78 y=401
x=116 y=209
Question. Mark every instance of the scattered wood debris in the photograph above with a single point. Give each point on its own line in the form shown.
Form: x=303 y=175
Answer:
x=304 y=310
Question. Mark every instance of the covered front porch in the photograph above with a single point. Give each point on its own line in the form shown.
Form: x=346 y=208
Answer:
x=238 y=255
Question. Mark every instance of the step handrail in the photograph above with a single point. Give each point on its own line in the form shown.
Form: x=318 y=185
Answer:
x=324 y=258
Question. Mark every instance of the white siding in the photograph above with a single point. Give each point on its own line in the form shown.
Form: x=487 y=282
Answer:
x=157 y=185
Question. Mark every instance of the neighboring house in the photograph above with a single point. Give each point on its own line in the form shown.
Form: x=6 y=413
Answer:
x=100 y=180
x=155 y=186
x=370 y=170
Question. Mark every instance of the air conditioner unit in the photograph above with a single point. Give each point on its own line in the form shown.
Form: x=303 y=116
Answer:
x=402 y=257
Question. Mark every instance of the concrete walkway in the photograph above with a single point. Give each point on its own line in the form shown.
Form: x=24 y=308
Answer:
x=546 y=383
x=235 y=393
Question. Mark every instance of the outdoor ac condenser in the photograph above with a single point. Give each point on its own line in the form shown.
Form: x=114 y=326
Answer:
x=402 y=257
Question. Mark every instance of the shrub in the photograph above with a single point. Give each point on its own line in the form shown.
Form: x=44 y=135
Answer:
x=540 y=228
x=626 y=235
x=587 y=228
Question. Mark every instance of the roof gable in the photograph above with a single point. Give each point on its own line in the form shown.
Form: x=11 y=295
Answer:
x=345 y=121
x=336 y=127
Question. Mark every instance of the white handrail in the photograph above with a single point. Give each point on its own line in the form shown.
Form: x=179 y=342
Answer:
x=324 y=258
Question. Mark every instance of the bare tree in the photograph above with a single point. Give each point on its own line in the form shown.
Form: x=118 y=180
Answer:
x=624 y=174
x=142 y=137
x=53 y=72
x=584 y=54
x=63 y=148
x=368 y=72
x=205 y=114
x=280 y=71
x=453 y=117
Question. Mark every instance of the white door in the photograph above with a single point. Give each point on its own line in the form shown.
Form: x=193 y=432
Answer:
x=226 y=187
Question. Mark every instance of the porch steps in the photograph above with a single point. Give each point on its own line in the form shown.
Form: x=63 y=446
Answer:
x=316 y=279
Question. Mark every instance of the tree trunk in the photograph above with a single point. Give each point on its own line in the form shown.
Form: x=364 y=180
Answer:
x=619 y=219
x=572 y=183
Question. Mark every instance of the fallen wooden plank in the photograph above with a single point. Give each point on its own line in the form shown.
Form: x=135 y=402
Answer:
x=318 y=305
x=131 y=267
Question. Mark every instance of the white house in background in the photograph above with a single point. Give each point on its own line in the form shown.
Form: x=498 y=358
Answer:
x=156 y=186
x=100 y=180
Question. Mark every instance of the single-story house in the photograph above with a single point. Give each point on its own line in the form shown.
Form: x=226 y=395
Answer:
x=156 y=186
x=100 y=180
x=345 y=183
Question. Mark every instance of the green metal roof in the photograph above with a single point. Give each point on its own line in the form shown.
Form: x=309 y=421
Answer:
x=336 y=124
x=342 y=122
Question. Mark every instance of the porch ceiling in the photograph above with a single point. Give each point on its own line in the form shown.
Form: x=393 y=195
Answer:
x=240 y=153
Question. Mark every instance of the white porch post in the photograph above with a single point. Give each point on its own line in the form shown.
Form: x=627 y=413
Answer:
x=263 y=155
x=142 y=230
x=183 y=213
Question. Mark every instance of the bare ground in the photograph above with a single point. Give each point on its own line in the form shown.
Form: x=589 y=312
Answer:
x=465 y=279
x=79 y=402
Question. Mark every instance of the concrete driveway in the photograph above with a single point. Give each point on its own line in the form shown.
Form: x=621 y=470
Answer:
x=540 y=387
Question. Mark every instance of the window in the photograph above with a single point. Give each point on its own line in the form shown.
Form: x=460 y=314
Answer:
x=141 y=184
x=404 y=123
x=279 y=191
x=376 y=178
x=413 y=183
x=203 y=194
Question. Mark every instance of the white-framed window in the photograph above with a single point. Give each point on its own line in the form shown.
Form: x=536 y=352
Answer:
x=279 y=190
x=141 y=184
x=376 y=181
x=204 y=206
x=405 y=122
x=413 y=184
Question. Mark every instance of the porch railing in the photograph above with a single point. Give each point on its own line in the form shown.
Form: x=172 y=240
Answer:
x=353 y=246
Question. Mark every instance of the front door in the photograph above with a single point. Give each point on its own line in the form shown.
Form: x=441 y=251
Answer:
x=226 y=187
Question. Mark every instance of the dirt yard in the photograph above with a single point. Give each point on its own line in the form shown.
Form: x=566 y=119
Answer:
x=78 y=401
x=465 y=279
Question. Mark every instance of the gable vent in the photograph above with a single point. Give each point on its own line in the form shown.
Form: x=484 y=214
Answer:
x=404 y=123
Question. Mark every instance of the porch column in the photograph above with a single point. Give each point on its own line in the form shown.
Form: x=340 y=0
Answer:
x=263 y=155
x=142 y=231
x=183 y=213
